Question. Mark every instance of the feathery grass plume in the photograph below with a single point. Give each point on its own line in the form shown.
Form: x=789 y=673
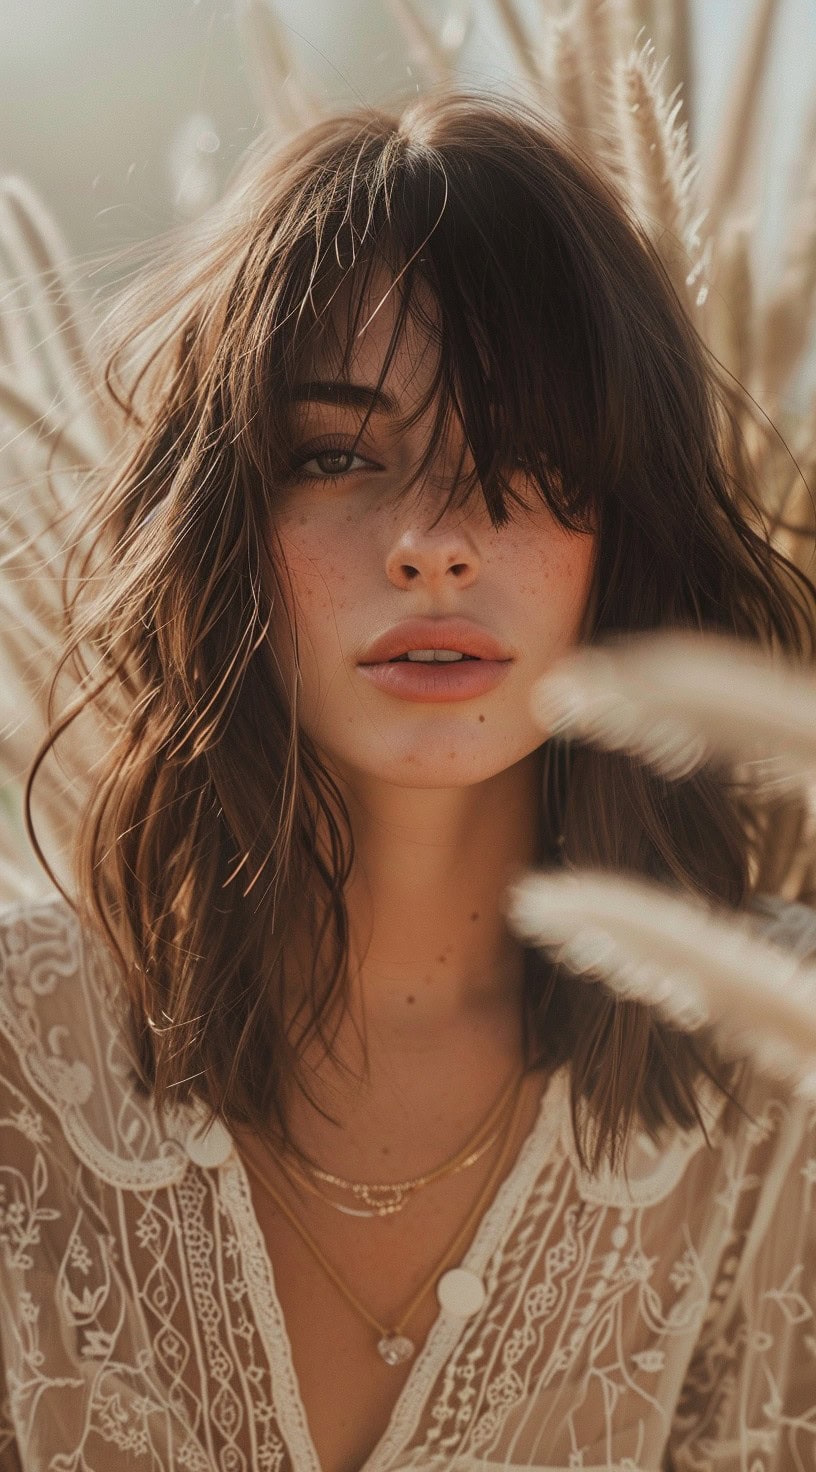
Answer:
x=427 y=48
x=735 y=158
x=45 y=341
x=52 y=431
x=787 y=322
x=668 y=26
x=677 y=700
x=602 y=35
x=286 y=99
x=564 y=73
x=698 y=966
x=660 y=170
x=20 y=414
x=50 y=413
x=730 y=309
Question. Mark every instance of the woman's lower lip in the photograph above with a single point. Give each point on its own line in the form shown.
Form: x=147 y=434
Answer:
x=460 y=680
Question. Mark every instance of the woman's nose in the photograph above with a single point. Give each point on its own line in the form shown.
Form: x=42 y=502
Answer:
x=436 y=557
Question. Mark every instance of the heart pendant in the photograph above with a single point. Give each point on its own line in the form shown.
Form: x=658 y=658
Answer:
x=395 y=1349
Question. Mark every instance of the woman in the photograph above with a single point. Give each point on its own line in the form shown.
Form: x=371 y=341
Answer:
x=413 y=414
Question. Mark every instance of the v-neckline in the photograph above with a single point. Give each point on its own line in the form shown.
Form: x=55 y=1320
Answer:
x=513 y=1193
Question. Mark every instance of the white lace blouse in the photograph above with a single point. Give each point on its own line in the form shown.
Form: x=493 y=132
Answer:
x=671 y=1325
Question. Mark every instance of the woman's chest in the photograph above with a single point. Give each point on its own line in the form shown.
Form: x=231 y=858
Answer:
x=348 y=1391
x=562 y=1355
x=347 y=1285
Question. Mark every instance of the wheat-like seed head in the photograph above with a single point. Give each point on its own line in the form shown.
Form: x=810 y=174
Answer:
x=697 y=967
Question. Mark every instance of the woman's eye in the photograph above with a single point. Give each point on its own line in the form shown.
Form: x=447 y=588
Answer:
x=332 y=464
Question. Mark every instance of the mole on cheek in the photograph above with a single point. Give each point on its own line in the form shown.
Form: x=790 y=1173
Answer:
x=481 y=718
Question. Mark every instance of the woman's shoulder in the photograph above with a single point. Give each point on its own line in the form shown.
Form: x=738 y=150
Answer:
x=41 y=963
x=65 y=1045
x=52 y=976
x=21 y=920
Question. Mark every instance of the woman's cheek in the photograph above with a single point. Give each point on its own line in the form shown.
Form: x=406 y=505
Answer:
x=557 y=583
x=320 y=573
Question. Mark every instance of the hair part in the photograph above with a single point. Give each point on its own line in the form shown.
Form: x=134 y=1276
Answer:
x=214 y=824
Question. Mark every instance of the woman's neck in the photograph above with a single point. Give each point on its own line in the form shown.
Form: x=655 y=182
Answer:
x=425 y=902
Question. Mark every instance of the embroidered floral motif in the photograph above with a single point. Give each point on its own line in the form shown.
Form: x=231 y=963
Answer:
x=650 y=1360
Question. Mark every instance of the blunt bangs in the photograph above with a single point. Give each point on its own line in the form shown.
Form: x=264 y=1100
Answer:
x=527 y=334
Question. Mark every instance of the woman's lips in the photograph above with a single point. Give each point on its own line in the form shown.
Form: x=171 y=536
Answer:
x=410 y=680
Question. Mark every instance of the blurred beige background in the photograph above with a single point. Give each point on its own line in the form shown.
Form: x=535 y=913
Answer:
x=121 y=114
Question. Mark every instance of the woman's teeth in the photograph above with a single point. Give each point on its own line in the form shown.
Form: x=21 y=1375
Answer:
x=433 y=656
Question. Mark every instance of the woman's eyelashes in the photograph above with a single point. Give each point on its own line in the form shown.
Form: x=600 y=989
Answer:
x=329 y=454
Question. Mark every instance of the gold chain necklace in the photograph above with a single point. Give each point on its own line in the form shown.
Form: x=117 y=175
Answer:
x=387 y=1208
x=393 y=1346
x=385 y=1199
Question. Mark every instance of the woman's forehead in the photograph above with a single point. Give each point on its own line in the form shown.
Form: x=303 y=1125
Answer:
x=355 y=338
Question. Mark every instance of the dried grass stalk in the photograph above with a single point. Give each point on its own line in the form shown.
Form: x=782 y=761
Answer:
x=677 y=700
x=668 y=26
x=602 y=36
x=280 y=85
x=697 y=966
x=31 y=615
x=51 y=429
x=523 y=47
x=564 y=69
x=660 y=170
x=20 y=414
x=426 y=48
x=46 y=346
x=734 y=159
x=787 y=322
x=730 y=310
x=33 y=254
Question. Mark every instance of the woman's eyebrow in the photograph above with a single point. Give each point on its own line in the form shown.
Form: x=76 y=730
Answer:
x=339 y=391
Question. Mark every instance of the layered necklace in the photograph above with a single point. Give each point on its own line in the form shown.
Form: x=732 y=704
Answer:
x=459 y=1291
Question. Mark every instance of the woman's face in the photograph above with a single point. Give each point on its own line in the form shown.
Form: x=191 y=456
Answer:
x=361 y=561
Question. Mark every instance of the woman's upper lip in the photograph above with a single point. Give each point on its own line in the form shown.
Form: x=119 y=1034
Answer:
x=434 y=633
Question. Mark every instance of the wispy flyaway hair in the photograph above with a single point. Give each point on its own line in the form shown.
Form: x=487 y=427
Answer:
x=213 y=824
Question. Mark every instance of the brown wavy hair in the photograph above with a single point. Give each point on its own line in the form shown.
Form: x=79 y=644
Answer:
x=213 y=824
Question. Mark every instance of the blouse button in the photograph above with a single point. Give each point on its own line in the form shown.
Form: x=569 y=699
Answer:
x=209 y=1149
x=461 y=1293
